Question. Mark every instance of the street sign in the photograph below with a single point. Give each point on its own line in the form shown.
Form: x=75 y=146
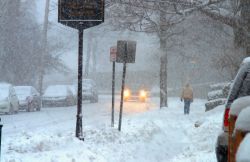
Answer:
x=126 y=51
x=113 y=53
x=80 y=14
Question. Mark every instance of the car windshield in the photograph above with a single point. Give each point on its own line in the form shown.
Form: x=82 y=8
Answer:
x=23 y=90
x=4 y=92
x=58 y=90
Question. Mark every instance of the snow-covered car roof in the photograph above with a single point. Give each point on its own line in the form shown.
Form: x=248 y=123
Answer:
x=56 y=91
x=243 y=120
x=239 y=104
x=240 y=86
x=4 y=89
x=23 y=90
x=244 y=150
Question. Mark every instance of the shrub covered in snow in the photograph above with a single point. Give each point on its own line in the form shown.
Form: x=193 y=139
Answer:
x=217 y=95
x=219 y=86
x=213 y=103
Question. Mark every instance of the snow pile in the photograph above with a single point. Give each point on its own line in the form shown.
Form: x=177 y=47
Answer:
x=243 y=121
x=239 y=104
x=219 y=85
x=244 y=150
x=215 y=94
x=246 y=60
x=155 y=135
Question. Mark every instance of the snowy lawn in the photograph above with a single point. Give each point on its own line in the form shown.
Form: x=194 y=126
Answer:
x=148 y=134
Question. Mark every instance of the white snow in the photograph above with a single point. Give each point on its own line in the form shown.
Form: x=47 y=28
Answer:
x=246 y=60
x=148 y=134
x=219 y=86
x=239 y=104
x=56 y=90
x=244 y=150
x=243 y=121
x=215 y=94
x=4 y=88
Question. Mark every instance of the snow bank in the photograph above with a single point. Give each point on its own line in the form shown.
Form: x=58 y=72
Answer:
x=215 y=94
x=218 y=86
x=243 y=121
x=239 y=104
x=244 y=150
x=156 y=135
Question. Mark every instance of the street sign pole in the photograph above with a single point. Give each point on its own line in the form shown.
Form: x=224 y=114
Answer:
x=113 y=53
x=113 y=95
x=0 y=138
x=79 y=133
x=80 y=14
x=123 y=84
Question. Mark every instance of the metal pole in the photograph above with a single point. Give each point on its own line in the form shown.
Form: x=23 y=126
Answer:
x=79 y=133
x=0 y=138
x=123 y=83
x=113 y=95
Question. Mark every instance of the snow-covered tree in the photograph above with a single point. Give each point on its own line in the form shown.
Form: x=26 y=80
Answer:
x=21 y=43
x=153 y=16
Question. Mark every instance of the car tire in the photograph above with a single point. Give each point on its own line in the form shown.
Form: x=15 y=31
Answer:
x=38 y=108
x=221 y=154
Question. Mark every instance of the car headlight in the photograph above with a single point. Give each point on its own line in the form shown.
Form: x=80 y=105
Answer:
x=143 y=94
x=126 y=93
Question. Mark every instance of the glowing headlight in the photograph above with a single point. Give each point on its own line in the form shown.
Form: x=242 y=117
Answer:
x=143 y=94
x=126 y=93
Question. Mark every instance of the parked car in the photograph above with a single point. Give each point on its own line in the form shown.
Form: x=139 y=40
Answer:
x=242 y=128
x=29 y=98
x=236 y=109
x=89 y=90
x=8 y=99
x=240 y=87
x=140 y=94
x=58 y=95
x=244 y=150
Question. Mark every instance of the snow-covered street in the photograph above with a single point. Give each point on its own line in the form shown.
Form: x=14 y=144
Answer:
x=148 y=134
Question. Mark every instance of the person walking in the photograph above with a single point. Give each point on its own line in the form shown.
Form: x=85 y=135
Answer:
x=187 y=96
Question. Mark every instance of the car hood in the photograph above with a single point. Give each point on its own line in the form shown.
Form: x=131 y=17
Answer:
x=22 y=98
x=54 y=96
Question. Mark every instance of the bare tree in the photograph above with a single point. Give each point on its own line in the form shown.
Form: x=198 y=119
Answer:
x=153 y=16
x=236 y=16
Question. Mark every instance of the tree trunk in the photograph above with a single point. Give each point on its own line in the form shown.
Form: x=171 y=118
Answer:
x=163 y=80
x=163 y=59
x=44 y=43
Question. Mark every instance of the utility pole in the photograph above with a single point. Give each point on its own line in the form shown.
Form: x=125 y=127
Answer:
x=44 y=45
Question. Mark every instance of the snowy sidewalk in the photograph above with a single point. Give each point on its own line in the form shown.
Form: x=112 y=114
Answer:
x=158 y=135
